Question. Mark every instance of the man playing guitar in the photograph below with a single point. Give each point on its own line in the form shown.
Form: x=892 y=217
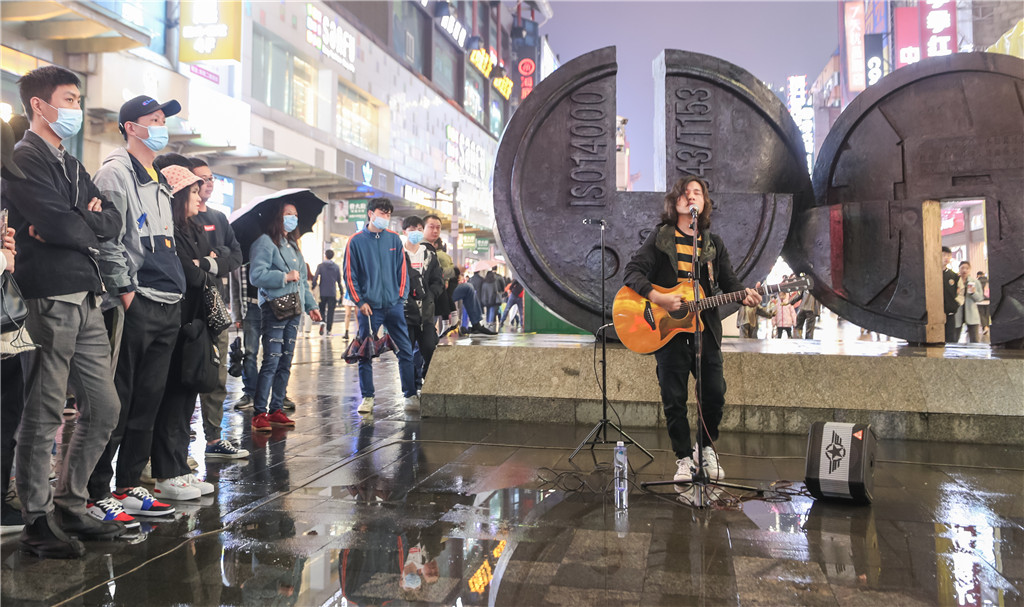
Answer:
x=666 y=259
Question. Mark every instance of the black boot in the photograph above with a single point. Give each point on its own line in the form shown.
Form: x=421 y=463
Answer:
x=479 y=328
x=43 y=538
x=87 y=528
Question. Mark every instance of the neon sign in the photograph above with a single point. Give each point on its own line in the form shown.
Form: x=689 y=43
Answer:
x=504 y=86
x=854 y=21
x=526 y=69
x=330 y=38
x=483 y=61
x=454 y=28
x=938 y=27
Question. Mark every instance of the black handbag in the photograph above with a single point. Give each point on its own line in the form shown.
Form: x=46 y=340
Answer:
x=15 y=311
x=286 y=306
x=218 y=317
x=200 y=358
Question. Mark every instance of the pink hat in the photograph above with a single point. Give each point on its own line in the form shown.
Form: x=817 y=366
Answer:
x=179 y=178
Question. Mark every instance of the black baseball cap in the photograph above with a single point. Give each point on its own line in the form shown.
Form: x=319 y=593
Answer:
x=142 y=105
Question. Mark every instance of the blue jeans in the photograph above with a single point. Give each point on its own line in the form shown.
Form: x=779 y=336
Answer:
x=513 y=301
x=276 y=368
x=393 y=320
x=251 y=325
x=467 y=295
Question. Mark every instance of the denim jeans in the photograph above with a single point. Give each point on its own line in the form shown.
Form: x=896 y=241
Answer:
x=251 y=325
x=276 y=367
x=467 y=295
x=513 y=301
x=393 y=320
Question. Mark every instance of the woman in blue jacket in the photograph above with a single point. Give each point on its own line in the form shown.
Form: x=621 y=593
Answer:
x=277 y=269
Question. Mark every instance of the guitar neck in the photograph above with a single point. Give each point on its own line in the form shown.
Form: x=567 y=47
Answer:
x=725 y=298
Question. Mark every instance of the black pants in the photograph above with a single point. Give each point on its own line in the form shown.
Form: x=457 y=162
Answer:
x=150 y=333
x=424 y=340
x=952 y=331
x=169 y=454
x=12 y=403
x=327 y=305
x=676 y=361
x=805 y=322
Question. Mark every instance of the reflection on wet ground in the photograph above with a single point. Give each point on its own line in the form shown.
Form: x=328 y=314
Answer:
x=345 y=510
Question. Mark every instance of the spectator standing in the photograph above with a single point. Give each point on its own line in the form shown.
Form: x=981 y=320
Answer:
x=515 y=298
x=278 y=269
x=60 y=218
x=455 y=291
x=746 y=320
x=968 y=295
x=425 y=278
x=807 y=317
x=328 y=277
x=377 y=280
x=12 y=396
x=221 y=238
x=949 y=302
x=784 y=316
x=983 y=306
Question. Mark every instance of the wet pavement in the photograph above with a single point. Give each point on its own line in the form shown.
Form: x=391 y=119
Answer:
x=391 y=508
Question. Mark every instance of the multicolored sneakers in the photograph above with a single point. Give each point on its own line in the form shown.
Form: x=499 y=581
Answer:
x=110 y=509
x=140 y=502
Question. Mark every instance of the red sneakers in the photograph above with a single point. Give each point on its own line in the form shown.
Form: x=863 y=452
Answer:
x=261 y=423
x=279 y=419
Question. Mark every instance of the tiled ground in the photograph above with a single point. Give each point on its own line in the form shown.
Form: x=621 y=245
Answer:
x=397 y=509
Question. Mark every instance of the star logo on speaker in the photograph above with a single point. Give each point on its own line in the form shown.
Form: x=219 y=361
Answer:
x=835 y=452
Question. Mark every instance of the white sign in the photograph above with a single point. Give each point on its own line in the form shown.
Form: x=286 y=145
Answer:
x=418 y=195
x=455 y=29
x=330 y=38
x=803 y=113
x=464 y=159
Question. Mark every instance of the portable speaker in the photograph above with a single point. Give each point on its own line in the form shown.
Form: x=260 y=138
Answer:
x=841 y=461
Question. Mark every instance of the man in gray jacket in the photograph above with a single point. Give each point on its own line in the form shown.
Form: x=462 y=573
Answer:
x=142 y=269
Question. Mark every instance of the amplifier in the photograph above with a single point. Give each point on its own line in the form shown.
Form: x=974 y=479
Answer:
x=841 y=461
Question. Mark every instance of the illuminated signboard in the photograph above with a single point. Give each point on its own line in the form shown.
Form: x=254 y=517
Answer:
x=504 y=86
x=952 y=221
x=483 y=245
x=803 y=113
x=527 y=67
x=418 y=195
x=464 y=158
x=357 y=210
x=455 y=29
x=908 y=35
x=873 y=53
x=328 y=36
x=856 y=78
x=210 y=31
x=938 y=27
x=483 y=61
x=468 y=241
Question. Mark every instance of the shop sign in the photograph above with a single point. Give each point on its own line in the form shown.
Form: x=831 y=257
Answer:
x=527 y=67
x=210 y=30
x=418 y=195
x=874 y=67
x=483 y=245
x=952 y=221
x=327 y=35
x=455 y=29
x=504 y=86
x=468 y=241
x=856 y=78
x=938 y=27
x=525 y=55
x=803 y=113
x=483 y=61
x=357 y=210
x=908 y=35
x=464 y=158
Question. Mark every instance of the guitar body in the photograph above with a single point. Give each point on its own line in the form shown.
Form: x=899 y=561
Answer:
x=645 y=327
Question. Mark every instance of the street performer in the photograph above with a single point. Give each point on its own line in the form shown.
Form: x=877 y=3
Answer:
x=666 y=259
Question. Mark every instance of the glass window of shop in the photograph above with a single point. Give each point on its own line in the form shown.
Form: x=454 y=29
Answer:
x=474 y=101
x=411 y=35
x=444 y=73
x=357 y=118
x=497 y=116
x=282 y=79
x=150 y=15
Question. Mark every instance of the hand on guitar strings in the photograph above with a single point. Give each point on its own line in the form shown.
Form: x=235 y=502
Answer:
x=753 y=298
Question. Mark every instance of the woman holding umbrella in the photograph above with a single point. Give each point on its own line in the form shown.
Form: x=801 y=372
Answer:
x=277 y=269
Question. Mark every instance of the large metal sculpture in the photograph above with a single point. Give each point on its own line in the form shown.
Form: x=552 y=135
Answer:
x=556 y=167
x=950 y=127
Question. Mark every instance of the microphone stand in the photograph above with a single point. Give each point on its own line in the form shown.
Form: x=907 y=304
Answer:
x=599 y=434
x=700 y=478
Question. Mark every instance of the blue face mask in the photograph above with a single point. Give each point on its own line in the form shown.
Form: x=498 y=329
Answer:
x=157 y=139
x=381 y=223
x=415 y=237
x=68 y=122
x=291 y=222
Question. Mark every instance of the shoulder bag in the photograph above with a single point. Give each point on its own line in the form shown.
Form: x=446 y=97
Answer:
x=218 y=317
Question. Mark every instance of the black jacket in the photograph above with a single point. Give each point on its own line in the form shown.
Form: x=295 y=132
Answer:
x=191 y=243
x=426 y=287
x=949 y=282
x=655 y=262
x=56 y=202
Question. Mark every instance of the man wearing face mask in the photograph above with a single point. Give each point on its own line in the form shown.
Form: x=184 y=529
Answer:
x=61 y=219
x=377 y=281
x=146 y=281
x=427 y=284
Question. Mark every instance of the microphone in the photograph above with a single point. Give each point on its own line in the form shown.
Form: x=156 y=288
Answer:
x=693 y=212
x=593 y=221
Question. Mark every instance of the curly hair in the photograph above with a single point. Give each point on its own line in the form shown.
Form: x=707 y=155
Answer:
x=670 y=216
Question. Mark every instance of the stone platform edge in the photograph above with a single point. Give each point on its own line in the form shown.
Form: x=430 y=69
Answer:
x=915 y=398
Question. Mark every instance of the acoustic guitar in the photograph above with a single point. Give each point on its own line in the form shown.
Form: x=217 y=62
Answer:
x=645 y=327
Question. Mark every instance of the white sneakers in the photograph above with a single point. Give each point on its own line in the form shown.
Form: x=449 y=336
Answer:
x=412 y=403
x=177 y=488
x=366 y=406
x=204 y=487
x=684 y=470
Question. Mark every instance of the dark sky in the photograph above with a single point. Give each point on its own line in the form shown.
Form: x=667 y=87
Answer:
x=772 y=40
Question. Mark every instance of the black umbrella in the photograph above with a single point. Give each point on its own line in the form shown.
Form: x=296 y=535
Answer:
x=248 y=221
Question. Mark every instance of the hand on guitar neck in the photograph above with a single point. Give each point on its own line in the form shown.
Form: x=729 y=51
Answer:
x=673 y=301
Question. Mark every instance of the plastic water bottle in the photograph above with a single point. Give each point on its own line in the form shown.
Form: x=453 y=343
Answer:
x=621 y=483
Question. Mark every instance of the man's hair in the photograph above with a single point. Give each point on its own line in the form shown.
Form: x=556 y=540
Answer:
x=965 y=263
x=329 y=253
x=427 y=218
x=980 y=273
x=197 y=162
x=382 y=203
x=670 y=216
x=411 y=221
x=947 y=250
x=42 y=82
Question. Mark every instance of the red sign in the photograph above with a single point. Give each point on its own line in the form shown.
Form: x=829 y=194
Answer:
x=938 y=27
x=526 y=69
x=952 y=221
x=908 y=35
x=856 y=77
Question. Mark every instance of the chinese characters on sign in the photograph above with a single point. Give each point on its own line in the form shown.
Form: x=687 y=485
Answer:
x=938 y=27
x=854 y=23
x=527 y=67
x=210 y=31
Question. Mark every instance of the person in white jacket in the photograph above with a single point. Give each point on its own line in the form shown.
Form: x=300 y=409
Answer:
x=968 y=294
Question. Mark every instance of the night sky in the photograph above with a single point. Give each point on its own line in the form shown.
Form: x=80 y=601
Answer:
x=771 y=40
